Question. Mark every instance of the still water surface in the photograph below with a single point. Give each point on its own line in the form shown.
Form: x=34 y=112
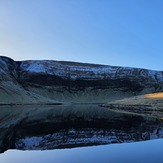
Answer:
x=78 y=134
x=137 y=152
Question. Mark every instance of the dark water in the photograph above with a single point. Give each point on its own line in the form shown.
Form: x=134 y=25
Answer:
x=78 y=133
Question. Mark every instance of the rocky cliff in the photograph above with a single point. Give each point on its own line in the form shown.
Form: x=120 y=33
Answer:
x=28 y=82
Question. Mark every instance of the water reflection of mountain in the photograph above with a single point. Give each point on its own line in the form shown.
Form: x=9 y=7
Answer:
x=51 y=127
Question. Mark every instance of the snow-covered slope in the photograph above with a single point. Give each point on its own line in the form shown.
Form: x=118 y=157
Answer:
x=57 y=81
x=87 y=71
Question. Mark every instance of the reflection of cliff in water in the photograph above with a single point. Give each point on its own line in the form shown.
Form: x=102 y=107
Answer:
x=32 y=128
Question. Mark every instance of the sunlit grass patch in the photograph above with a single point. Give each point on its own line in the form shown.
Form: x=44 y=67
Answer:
x=154 y=95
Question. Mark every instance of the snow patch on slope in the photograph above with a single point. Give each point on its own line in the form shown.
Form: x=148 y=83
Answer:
x=88 y=71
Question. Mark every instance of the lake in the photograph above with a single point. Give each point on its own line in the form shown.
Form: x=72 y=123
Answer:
x=139 y=152
x=78 y=133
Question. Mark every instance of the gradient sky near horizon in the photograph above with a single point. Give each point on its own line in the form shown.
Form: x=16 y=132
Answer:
x=113 y=32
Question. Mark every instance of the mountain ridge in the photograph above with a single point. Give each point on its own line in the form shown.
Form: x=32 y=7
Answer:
x=46 y=81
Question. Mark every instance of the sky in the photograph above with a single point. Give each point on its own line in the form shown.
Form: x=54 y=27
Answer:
x=113 y=32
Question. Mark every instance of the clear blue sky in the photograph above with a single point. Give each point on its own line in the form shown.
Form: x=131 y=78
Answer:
x=114 y=32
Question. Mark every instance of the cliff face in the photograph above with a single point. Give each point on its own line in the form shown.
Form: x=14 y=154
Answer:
x=56 y=81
